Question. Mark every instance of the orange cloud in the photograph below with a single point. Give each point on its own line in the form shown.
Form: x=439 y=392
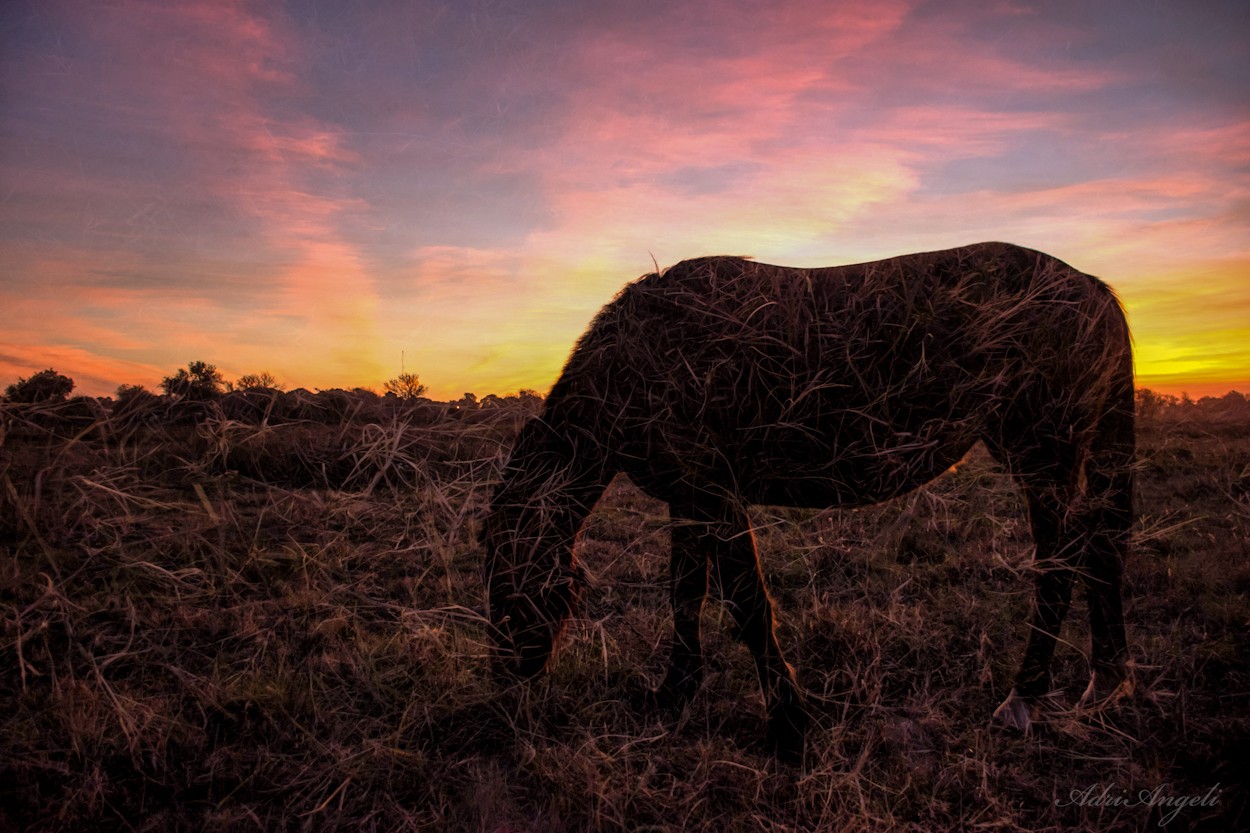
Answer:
x=93 y=375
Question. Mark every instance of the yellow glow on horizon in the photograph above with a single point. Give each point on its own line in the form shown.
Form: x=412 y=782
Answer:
x=1189 y=327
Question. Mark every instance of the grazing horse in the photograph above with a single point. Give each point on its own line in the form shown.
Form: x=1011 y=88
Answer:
x=723 y=382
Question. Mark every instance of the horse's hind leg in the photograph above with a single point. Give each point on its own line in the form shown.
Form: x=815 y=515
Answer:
x=1080 y=508
x=1054 y=557
x=1111 y=509
x=688 y=587
x=1110 y=677
x=733 y=558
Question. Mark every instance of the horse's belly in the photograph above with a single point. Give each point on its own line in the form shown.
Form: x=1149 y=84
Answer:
x=854 y=478
x=797 y=466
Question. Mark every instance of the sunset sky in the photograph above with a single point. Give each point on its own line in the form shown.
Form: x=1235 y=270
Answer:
x=315 y=188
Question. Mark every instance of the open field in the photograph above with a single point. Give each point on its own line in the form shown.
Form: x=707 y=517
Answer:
x=214 y=624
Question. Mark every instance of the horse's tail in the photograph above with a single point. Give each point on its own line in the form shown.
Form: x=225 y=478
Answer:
x=1114 y=444
x=1108 y=497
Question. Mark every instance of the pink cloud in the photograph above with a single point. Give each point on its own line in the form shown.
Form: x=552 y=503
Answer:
x=819 y=155
x=201 y=79
x=833 y=176
x=957 y=130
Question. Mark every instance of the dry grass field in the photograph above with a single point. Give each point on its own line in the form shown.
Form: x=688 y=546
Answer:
x=213 y=624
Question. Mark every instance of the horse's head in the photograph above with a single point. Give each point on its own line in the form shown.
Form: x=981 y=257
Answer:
x=532 y=585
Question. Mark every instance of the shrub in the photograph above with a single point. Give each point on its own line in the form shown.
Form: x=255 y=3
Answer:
x=198 y=381
x=44 y=386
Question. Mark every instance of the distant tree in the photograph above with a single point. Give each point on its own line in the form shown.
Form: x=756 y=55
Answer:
x=530 y=399
x=468 y=402
x=125 y=393
x=197 y=381
x=1149 y=404
x=264 y=379
x=1231 y=404
x=405 y=386
x=44 y=386
x=133 y=398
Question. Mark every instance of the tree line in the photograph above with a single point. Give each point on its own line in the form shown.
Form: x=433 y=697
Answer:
x=202 y=382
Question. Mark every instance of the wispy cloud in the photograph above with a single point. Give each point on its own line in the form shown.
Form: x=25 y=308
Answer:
x=236 y=214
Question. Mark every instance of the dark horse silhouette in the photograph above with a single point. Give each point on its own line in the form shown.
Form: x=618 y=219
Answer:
x=724 y=382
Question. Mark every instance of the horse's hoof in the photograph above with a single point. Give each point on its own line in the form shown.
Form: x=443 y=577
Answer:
x=787 y=743
x=788 y=751
x=658 y=701
x=787 y=731
x=1016 y=713
x=676 y=692
x=1105 y=689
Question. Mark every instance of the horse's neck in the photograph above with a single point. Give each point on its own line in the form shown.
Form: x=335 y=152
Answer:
x=552 y=481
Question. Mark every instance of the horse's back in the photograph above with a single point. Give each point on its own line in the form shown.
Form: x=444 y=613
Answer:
x=988 y=315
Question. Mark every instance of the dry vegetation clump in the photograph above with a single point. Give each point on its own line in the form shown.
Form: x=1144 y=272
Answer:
x=240 y=626
x=190 y=641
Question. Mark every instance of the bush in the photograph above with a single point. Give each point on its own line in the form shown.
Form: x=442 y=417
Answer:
x=253 y=405
x=44 y=386
x=263 y=380
x=198 y=381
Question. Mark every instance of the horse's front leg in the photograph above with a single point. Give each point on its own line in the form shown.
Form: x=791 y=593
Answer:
x=742 y=584
x=688 y=586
